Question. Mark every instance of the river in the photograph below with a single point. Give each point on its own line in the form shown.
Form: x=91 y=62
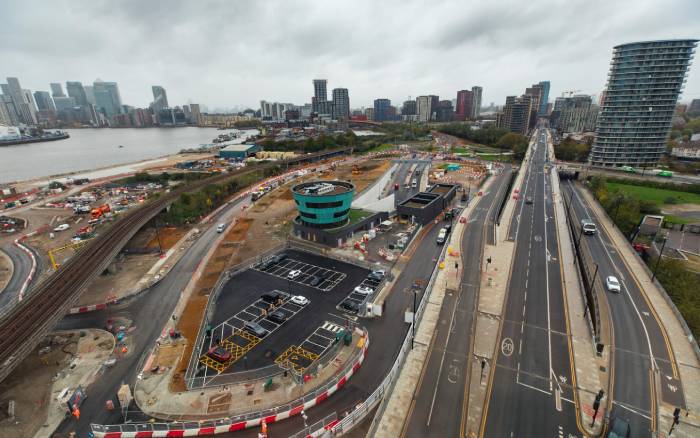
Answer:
x=88 y=149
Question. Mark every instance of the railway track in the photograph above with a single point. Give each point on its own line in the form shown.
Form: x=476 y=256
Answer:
x=23 y=326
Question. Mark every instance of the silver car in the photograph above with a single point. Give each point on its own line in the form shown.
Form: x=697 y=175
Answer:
x=612 y=284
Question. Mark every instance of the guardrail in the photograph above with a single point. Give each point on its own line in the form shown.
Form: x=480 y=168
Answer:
x=358 y=414
x=183 y=427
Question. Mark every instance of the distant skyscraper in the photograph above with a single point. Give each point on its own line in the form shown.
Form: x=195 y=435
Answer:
x=29 y=98
x=64 y=103
x=643 y=86
x=536 y=92
x=160 y=98
x=409 y=108
x=341 y=103
x=44 y=101
x=57 y=90
x=574 y=114
x=425 y=107
x=542 y=110
x=476 y=106
x=444 y=111
x=89 y=93
x=694 y=107
x=381 y=110
x=517 y=113
x=77 y=92
x=465 y=103
x=320 y=98
x=23 y=107
x=196 y=114
x=107 y=98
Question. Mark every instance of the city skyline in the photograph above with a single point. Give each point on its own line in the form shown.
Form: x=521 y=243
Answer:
x=191 y=67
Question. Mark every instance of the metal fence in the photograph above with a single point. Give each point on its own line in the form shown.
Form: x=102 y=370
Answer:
x=318 y=428
x=180 y=422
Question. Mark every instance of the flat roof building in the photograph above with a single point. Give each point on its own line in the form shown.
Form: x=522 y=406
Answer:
x=239 y=151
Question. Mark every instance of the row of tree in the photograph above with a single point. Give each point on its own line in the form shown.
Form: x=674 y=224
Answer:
x=571 y=150
x=489 y=136
x=191 y=207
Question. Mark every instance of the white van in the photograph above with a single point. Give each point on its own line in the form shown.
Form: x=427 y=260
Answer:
x=442 y=236
x=588 y=226
x=220 y=228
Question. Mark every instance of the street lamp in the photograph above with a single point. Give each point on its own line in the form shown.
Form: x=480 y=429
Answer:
x=656 y=267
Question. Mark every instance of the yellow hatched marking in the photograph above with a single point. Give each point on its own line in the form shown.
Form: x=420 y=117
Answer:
x=236 y=350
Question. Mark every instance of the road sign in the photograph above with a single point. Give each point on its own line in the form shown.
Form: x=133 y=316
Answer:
x=507 y=346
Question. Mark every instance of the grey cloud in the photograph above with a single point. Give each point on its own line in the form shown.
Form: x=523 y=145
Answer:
x=226 y=53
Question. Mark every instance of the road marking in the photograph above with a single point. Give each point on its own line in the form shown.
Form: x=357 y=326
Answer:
x=546 y=270
x=634 y=411
x=533 y=387
x=507 y=346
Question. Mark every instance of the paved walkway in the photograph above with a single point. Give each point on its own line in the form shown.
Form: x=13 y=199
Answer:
x=447 y=281
x=589 y=367
x=686 y=357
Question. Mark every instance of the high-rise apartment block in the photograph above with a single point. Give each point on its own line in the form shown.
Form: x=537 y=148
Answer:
x=160 y=98
x=644 y=83
x=544 y=100
x=382 y=110
x=426 y=106
x=107 y=98
x=517 y=114
x=574 y=114
x=465 y=105
x=57 y=90
x=476 y=102
x=409 y=108
x=341 y=104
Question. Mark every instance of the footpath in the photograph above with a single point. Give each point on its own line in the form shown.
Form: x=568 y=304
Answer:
x=683 y=347
x=591 y=371
x=397 y=406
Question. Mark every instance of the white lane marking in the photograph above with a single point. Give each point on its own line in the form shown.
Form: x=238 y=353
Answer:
x=535 y=388
x=617 y=271
x=546 y=270
x=632 y=410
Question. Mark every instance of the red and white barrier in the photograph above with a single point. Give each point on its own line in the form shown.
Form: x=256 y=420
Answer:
x=32 y=271
x=241 y=425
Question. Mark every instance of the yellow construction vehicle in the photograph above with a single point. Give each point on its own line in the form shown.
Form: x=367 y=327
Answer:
x=73 y=245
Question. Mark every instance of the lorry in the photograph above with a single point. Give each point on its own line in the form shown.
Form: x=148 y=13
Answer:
x=100 y=211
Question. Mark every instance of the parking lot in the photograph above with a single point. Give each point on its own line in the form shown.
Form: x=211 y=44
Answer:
x=311 y=275
x=304 y=330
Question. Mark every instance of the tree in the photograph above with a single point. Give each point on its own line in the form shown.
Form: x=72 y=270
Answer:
x=515 y=142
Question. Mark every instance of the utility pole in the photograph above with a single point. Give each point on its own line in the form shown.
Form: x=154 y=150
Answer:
x=656 y=267
x=596 y=405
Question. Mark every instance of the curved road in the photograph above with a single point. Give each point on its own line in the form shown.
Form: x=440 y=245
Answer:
x=22 y=266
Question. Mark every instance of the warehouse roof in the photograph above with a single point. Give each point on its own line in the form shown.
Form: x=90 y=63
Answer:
x=238 y=147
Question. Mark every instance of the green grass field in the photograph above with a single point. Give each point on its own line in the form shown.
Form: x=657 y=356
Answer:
x=657 y=196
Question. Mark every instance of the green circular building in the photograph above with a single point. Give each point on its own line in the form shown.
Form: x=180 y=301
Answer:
x=323 y=204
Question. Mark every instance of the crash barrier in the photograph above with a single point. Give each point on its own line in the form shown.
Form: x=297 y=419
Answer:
x=32 y=271
x=357 y=415
x=319 y=428
x=180 y=428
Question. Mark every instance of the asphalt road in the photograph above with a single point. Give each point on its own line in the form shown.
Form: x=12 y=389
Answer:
x=530 y=391
x=640 y=346
x=22 y=266
x=149 y=312
x=400 y=177
x=438 y=406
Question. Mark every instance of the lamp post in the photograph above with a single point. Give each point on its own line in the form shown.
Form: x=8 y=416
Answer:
x=656 y=267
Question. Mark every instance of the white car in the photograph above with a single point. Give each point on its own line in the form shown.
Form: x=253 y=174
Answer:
x=293 y=274
x=62 y=227
x=364 y=290
x=300 y=300
x=612 y=284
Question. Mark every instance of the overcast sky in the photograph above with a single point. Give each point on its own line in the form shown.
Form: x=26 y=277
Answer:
x=234 y=53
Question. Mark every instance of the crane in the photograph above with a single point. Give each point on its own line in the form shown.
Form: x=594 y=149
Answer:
x=570 y=92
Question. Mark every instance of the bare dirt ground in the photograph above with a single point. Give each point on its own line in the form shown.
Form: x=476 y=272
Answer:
x=6 y=269
x=691 y=211
x=126 y=271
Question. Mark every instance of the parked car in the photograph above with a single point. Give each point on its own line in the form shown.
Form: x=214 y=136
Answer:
x=218 y=353
x=300 y=300
x=612 y=284
x=62 y=227
x=364 y=290
x=255 y=329
x=350 y=306
x=528 y=200
x=323 y=274
x=619 y=428
x=272 y=296
x=278 y=258
x=315 y=281
x=294 y=273
x=265 y=265
x=277 y=316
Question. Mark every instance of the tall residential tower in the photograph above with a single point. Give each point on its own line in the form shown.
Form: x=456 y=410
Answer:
x=644 y=83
